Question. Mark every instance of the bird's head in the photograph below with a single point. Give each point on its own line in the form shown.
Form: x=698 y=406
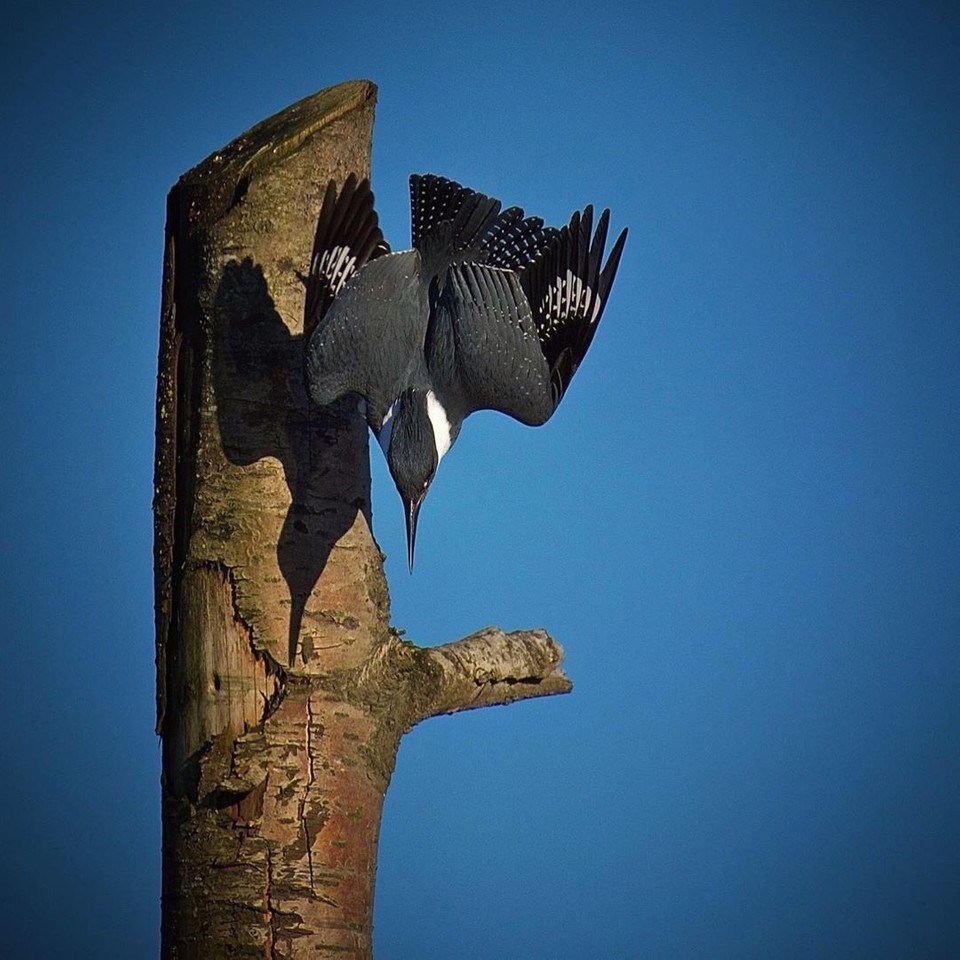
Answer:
x=415 y=445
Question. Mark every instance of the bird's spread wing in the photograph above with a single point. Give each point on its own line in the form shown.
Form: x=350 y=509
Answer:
x=482 y=347
x=371 y=337
x=347 y=236
x=568 y=289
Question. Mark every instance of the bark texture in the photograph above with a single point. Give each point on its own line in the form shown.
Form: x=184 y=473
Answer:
x=282 y=691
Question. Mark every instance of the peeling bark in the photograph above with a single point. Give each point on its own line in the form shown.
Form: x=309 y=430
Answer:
x=282 y=692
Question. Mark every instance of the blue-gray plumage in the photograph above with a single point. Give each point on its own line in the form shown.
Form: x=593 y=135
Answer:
x=490 y=310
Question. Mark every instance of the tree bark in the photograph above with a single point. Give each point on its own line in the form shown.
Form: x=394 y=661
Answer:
x=282 y=691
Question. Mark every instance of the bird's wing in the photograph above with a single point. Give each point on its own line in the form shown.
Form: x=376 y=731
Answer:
x=568 y=289
x=372 y=336
x=348 y=235
x=482 y=348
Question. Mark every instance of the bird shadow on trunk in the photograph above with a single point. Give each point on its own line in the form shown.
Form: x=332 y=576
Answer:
x=263 y=411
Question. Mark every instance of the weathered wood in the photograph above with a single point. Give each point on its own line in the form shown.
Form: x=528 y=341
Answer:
x=282 y=692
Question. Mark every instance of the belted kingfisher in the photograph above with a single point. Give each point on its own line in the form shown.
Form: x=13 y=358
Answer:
x=489 y=310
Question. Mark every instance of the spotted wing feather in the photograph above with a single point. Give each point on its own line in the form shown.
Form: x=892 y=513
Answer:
x=568 y=289
x=347 y=237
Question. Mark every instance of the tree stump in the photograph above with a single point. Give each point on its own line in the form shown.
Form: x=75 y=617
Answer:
x=282 y=690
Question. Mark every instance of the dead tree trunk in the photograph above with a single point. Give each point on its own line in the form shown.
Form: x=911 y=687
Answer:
x=282 y=691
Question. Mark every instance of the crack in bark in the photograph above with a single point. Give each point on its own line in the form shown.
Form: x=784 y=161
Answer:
x=306 y=793
x=509 y=681
x=260 y=654
x=271 y=944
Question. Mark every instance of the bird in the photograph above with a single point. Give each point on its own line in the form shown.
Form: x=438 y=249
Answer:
x=489 y=309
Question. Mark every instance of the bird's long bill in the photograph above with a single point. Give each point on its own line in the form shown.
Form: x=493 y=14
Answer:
x=413 y=511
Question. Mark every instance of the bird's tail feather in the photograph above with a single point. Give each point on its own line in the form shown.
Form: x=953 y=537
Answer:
x=452 y=223
x=435 y=201
x=513 y=240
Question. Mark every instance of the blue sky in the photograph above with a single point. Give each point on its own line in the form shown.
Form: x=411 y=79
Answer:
x=743 y=523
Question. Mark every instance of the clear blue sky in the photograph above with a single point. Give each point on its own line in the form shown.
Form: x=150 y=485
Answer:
x=743 y=523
